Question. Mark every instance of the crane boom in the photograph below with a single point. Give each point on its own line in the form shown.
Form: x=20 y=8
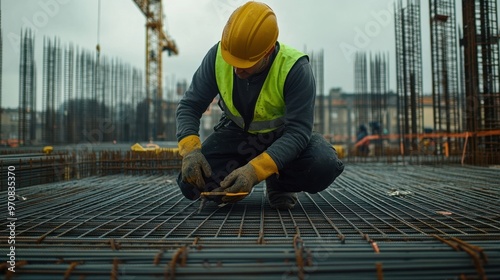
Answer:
x=157 y=41
x=168 y=44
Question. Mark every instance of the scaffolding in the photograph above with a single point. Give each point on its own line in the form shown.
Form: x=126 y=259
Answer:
x=409 y=73
x=482 y=88
x=446 y=96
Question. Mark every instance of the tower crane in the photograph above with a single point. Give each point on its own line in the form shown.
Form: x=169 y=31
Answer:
x=157 y=42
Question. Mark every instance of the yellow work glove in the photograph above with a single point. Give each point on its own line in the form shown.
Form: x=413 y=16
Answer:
x=244 y=178
x=194 y=164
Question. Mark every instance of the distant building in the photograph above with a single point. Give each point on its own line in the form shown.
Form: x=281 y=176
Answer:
x=342 y=115
x=10 y=120
x=10 y=127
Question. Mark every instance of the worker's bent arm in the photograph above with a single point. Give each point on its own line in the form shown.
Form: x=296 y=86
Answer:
x=197 y=98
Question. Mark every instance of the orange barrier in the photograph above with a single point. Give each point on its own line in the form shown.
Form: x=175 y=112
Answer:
x=428 y=135
x=466 y=135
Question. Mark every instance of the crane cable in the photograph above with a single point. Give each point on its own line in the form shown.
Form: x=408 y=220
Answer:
x=98 y=47
x=98 y=55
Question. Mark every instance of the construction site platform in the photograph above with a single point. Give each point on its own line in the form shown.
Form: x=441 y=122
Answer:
x=377 y=221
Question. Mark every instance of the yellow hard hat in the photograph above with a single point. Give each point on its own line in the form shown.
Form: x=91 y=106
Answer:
x=250 y=32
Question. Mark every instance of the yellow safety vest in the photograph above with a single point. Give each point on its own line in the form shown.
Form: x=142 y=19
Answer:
x=270 y=106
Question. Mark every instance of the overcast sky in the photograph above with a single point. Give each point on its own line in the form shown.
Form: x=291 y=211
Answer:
x=337 y=27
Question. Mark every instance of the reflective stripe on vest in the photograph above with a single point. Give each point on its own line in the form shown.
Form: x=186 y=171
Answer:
x=270 y=106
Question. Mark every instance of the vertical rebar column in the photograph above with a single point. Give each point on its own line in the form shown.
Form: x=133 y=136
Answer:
x=445 y=89
x=409 y=72
x=58 y=98
x=78 y=100
x=91 y=109
x=137 y=96
x=481 y=63
x=51 y=91
x=111 y=94
x=104 y=92
x=104 y=95
x=97 y=88
x=379 y=84
x=118 y=100
x=84 y=86
x=27 y=89
x=489 y=35
x=45 y=73
x=129 y=107
x=120 y=114
x=116 y=89
x=362 y=101
x=142 y=114
x=69 y=104
x=125 y=113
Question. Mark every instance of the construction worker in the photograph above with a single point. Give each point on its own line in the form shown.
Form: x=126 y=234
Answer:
x=267 y=92
x=364 y=149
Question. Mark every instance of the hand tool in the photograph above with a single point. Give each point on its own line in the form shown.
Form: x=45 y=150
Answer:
x=223 y=193
x=203 y=199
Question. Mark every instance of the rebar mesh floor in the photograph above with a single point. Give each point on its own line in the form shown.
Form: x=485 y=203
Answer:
x=379 y=214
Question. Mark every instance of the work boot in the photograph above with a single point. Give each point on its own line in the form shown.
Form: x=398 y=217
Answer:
x=279 y=199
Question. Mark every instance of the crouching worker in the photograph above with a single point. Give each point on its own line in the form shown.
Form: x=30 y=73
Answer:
x=267 y=92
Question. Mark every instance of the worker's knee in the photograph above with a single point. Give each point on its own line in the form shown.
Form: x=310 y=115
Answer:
x=317 y=168
x=326 y=160
x=325 y=171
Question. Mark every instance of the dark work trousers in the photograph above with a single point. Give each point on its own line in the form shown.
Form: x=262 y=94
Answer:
x=229 y=148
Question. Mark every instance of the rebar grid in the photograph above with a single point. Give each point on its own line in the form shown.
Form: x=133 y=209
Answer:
x=404 y=202
x=375 y=221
